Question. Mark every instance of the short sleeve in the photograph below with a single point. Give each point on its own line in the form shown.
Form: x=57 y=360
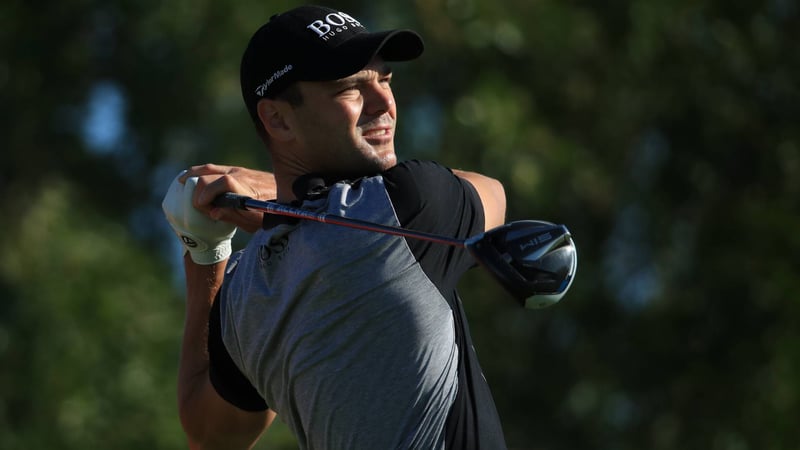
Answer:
x=227 y=379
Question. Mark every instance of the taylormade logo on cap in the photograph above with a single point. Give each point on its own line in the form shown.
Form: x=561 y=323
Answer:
x=332 y=24
x=262 y=88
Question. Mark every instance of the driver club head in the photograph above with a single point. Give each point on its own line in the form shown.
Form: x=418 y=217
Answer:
x=534 y=260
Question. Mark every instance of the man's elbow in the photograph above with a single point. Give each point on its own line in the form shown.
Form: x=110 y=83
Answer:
x=197 y=425
x=192 y=427
x=215 y=425
x=202 y=439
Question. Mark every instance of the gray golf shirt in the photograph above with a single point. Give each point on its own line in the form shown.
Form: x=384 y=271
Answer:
x=340 y=329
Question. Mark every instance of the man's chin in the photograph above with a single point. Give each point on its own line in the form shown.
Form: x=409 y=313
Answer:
x=379 y=162
x=383 y=154
x=387 y=160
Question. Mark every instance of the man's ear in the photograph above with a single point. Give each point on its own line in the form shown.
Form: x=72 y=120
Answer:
x=272 y=114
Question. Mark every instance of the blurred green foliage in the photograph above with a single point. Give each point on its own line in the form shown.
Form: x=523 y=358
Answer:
x=664 y=134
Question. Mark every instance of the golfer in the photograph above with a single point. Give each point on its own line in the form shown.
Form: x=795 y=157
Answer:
x=357 y=339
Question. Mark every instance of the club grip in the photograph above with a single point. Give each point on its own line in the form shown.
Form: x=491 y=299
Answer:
x=231 y=200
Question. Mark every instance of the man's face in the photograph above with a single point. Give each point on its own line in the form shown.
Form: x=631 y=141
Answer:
x=347 y=126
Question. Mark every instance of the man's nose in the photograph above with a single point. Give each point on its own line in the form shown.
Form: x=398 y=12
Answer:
x=378 y=98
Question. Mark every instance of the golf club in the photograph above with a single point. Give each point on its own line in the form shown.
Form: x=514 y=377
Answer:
x=533 y=260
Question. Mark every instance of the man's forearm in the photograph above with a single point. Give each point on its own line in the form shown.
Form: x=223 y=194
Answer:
x=202 y=284
x=208 y=420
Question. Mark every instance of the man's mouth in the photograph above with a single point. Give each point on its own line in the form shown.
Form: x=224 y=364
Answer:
x=376 y=132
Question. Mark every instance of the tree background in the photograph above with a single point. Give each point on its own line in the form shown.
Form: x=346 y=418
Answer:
x=664 y=134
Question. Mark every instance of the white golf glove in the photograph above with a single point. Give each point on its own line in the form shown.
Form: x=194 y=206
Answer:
x=208 y=241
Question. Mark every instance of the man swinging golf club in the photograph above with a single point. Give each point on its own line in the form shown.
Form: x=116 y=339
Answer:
x=356 y=338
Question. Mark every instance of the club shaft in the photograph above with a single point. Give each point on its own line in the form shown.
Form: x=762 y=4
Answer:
x=243 y=202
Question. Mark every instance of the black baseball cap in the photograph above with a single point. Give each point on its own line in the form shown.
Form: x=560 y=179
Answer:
x=314 y=43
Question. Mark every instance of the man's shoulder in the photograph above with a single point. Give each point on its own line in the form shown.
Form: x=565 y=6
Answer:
x=418 y=181
x=428 y=196
x=416 y=171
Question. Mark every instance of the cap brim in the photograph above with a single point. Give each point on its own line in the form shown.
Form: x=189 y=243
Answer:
x=399 y=45
x=355 y=53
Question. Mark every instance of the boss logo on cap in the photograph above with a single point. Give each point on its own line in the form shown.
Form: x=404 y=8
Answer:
x=333 y=24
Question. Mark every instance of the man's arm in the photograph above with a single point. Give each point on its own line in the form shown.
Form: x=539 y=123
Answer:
x=208 y=420
x=216 y=179
x=492 y=194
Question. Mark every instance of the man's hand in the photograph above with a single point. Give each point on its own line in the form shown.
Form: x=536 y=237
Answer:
x=214 y=180
x=208 y=241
